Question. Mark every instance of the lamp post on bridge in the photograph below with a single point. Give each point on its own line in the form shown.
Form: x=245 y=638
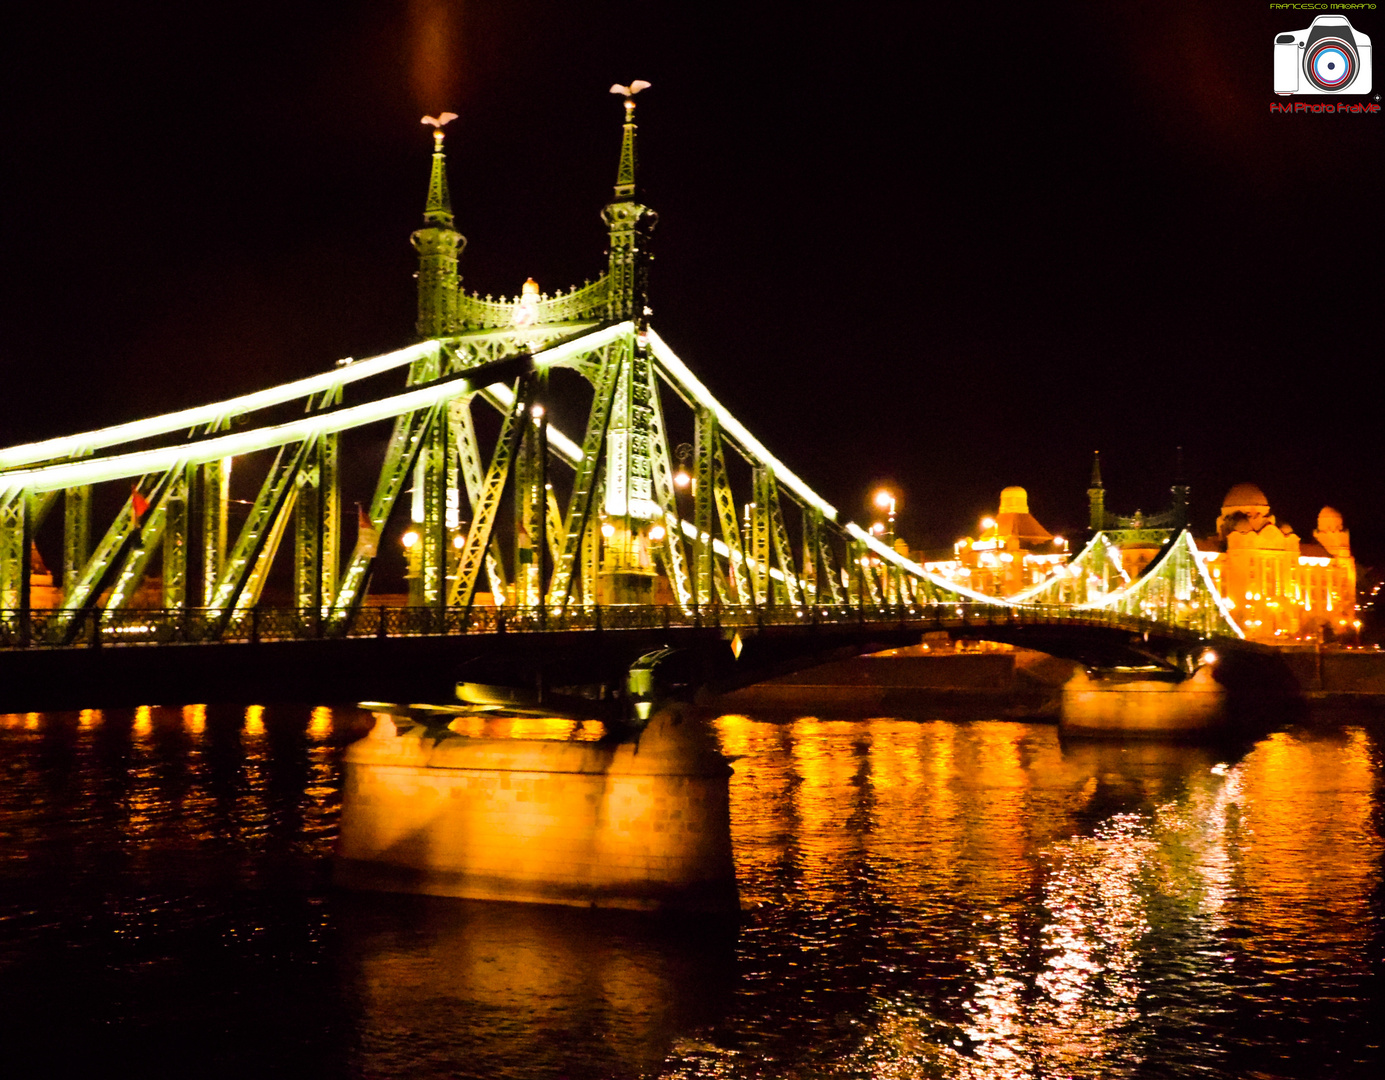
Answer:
x=885 y=500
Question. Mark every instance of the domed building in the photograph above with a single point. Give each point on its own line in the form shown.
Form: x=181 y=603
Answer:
x=1282 y=588
x=1012 y=552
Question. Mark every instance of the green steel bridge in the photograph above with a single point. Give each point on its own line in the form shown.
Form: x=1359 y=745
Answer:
x=551 y=470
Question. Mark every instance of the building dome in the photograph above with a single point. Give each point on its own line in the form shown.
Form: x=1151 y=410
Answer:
x=1245 y=497
x=1014 y=500
x=1329 y=520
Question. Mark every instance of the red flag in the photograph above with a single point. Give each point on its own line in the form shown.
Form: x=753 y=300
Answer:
x=138 y=503
x=367 y=536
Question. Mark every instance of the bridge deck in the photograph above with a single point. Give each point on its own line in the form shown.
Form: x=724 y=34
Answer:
x=133 y=627
x=418 y=654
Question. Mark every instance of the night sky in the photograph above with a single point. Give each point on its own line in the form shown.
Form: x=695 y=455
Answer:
x=953 y=248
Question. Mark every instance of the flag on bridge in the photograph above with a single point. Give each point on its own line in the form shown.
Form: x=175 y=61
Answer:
x=367 y=536
x=139 y=505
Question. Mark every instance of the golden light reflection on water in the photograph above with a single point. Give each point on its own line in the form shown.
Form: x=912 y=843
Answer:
x=1138 y=857
x=929 y=899
x=1089 y=984
x=1309 y=833
x=320 y=722
x=524 y=991
x=195 y=718
x=827 y=757
x=481 y=726
x=550 y=727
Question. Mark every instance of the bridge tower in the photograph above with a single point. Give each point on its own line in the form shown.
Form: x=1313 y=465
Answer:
x=1178 y=496
x=631 y=526
x=439 y=246
x=434 y=508
x=1096 y=497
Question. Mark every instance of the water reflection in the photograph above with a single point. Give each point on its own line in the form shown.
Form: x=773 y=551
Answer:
x=932 y=899
x=520 y=990
x=1044 y=910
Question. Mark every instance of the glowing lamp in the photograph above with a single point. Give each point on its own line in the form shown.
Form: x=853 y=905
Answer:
x=458 y=541
x=681 y=479
x=988 y=523
x=608 y=530
x=656 y=533
x=409 y=539
x=1209 y=657
x=884 y=499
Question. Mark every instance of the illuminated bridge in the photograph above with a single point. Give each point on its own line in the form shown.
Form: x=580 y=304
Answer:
x=564 y=489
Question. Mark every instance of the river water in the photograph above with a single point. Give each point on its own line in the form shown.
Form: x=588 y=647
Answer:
x=921 y=899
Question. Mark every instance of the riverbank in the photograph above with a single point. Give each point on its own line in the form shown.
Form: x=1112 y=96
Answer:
x=1017 y=684
x=1012 y=683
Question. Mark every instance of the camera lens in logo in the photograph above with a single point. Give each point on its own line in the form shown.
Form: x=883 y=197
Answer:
x=1330 y=64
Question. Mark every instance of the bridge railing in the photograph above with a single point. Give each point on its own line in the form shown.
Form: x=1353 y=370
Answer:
x=49 y=628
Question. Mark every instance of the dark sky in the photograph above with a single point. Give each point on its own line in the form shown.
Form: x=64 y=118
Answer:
x=952 y=247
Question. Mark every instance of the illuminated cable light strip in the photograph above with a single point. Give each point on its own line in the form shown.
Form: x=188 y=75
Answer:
x=69 y=445
x=720 y=548
x=138 y=463
x=1025 y=595
x=918 y=571
x=693 y=388
x=1222 y=604
x=1131 y=591
x=86 y=442
x=141 y=462
x=503 y=398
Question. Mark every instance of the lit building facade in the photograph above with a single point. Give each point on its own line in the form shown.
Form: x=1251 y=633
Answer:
x=1282 y=588
x=1012 y=552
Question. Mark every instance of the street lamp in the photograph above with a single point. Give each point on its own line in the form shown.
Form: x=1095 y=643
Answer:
x=681 y=479
x=885 y=501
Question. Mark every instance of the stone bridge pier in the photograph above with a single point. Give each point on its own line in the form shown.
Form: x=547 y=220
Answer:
x=640 y=821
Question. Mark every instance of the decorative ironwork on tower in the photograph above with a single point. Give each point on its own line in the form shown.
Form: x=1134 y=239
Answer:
x=439 y=245
x=629 y=224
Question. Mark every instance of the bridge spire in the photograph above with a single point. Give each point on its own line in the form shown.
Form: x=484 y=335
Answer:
x=1179 y=491
x=439 y=245
x=1096 y=496
x=629 y=224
